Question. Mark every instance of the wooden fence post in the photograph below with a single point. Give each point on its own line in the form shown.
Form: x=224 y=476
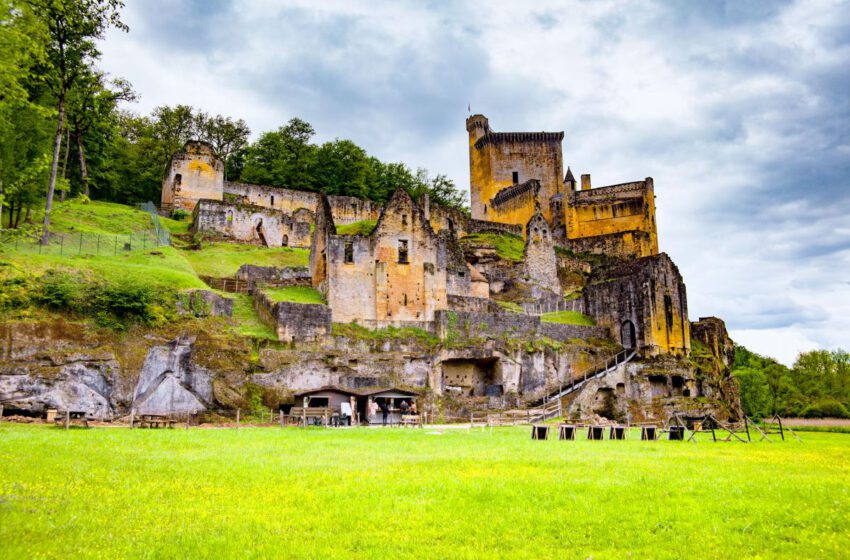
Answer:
x=1 y=412
x=132 y=416
x=238 y=411
x=188 y=417
x=67 y=418
x=281 y=418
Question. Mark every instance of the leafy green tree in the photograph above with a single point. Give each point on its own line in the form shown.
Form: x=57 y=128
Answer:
x=92 y=104
x=755 y=393
x=224 y=134
x=72 y=27
x=171 y=129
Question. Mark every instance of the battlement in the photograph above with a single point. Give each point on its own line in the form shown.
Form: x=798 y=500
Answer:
x=518 y=137
x=505 y=195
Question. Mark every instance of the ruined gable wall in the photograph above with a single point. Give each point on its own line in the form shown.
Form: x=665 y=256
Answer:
x=649 y=293
x=409 y=291
x=194 y=173
x=240 y=222
x=541 y=264
x=616 y=209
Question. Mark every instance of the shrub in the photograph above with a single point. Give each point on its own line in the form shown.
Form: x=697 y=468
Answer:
x=179 y=214
x=59 y=290
x=826 y=408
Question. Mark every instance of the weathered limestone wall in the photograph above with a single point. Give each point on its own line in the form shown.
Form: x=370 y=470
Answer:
x=484 y=226
x=495 y=157
x=345 y=209
x=643 y=302
x=451 y=324
x=250 y=224
x=617 y=220
x=194 y=173
x=473 y=304
x=627 y=244
x=303 y=322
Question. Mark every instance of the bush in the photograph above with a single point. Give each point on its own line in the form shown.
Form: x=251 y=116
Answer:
x=826 y=408
x=124 y=300
x=179 y=214
x=59 y=290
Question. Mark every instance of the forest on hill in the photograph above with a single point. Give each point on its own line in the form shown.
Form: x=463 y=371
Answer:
x=63 y=130
x=817 y=386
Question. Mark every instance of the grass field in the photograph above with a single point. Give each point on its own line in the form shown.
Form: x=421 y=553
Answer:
x=295 y=294
x=293 y=493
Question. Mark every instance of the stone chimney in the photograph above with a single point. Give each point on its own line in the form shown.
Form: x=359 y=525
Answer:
x=585 y=182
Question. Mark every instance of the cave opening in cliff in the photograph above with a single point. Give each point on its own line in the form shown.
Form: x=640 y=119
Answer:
x=477 y=377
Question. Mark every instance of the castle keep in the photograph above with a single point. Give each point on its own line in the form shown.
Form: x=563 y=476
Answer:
x=545 y=277
x=510 y=172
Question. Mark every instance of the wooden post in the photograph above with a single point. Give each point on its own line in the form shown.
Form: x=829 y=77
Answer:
x=281 y=418
x=781 y=431
x=238 y=411
x=67 y=418
x=132 y=414
x=188 y=417
x=1 y=412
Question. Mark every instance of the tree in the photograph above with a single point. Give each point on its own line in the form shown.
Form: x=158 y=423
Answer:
x=225 y=135
x=72 y=26
x=172 y=128
x=92 y=102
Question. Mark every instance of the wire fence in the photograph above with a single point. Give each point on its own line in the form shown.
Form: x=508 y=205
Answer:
x=162 y=233
x=73 y=244
x=84 y=243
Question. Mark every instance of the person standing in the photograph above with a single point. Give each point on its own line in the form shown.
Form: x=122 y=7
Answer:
x=385 y=410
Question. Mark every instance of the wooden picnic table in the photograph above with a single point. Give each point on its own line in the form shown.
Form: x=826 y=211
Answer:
x=155 y=421
x=78 y=416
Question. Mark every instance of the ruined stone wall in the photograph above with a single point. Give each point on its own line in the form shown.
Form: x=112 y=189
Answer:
x=645 y=296
x=443 y=218
x=484 y=226
x=193 y=173
x=495 y=157
x=322 y=230
x=303 y=322
x=624 y=213
x=541 y=264
x=351 y=282
x=473 y=304
x=469 y=324
x=624 y=245
x=250 y=224
x=397 y=273
x=345 y=209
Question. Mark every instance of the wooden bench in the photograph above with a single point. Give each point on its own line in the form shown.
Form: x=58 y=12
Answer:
x=300 y=414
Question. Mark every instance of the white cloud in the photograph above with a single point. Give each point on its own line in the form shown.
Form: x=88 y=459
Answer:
x=737 y=110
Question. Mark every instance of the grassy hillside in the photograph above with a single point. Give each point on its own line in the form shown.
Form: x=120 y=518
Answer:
x=224 y=259
x=104 y=279
x=372 y=493
x=508 y=246
x=363 y=227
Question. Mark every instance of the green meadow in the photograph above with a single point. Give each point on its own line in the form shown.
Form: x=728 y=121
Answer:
x=393 y=493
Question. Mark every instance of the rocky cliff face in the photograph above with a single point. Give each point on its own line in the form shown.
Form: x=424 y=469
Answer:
x=60 y=365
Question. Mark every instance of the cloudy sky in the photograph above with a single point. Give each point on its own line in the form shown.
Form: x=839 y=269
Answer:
x=740 y=111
